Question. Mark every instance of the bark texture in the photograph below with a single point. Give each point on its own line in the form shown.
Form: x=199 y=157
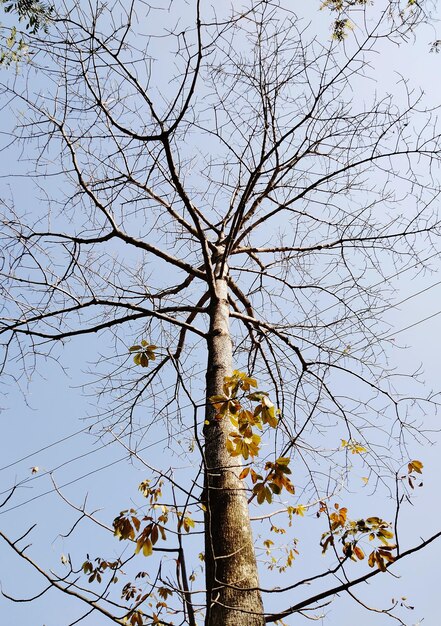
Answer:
x=229 y=549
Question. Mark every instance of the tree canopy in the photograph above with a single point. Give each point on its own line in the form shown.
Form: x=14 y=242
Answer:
x=222 y=207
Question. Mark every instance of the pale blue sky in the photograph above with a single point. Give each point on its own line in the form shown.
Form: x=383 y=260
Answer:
x=57 y=409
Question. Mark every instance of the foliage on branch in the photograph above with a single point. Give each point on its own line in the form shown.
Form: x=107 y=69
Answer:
x=351 y=533
x=354 y=536
x=36 y=16
x=227 y=189
x=343 y=25
x=143 y=353
x=35 y=13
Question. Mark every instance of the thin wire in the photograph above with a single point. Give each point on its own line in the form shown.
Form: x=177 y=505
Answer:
x=413 y=295
x=66 y=438
x=95 y=471
x=425 y=319
x=50 y=445
x=391 y=335
x=386 y=279
x=81 y=456
x=99 y=469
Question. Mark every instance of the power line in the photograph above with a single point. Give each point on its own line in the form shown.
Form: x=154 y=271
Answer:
x=54 y=469
x=70 y=436
x=112 y=463
x=79 y=478
x=386 y=336
x=425 y=319
x=99 y=469
x=417 y=293
x=50 y=445
x=82 y=430
x=85 y=454
x=95 y=471
x=387 y=279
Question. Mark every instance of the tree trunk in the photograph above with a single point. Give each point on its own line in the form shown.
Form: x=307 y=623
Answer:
x=229 y=549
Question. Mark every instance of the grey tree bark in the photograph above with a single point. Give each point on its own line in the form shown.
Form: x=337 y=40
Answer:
x=230 y=561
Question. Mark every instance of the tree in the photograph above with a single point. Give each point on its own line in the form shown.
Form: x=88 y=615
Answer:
x=226 y=196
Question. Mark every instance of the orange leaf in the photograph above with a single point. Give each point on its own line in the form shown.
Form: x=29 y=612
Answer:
x=244 y=473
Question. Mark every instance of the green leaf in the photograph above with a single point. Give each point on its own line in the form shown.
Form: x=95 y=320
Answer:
x=275 y=488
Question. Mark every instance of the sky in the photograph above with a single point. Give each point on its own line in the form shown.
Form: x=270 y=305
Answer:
x=47 y=425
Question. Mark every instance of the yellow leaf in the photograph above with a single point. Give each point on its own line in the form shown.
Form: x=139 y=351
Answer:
x=289 y=486
x=358 y=449
x=244 y=449
x=380 y=562
x=415 y=466
x=188 y=523
x=134 y=348
x=268 y=495
x=283 y=460
x=300 y=510
x=147 y=548
x=143 y=360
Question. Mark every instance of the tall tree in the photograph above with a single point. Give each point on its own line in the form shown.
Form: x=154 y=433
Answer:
x=226 y=197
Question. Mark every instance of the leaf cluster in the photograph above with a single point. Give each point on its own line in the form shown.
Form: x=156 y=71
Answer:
x=36 y=13
x=342 y=24
x=275 y=480
x=351 y=532
x=153 y=493
x=96 y=572
x=128 y=526
x=413 y=468
x=243 y=441
x=353 y=446
x=144 y=353
x=37 y=16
